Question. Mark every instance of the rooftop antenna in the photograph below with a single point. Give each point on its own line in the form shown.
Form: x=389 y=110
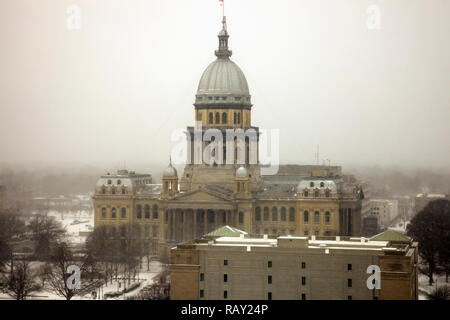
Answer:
x=317 y=155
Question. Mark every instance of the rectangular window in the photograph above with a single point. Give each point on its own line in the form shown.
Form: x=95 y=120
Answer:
x=269 y=296
x=303 y=281
x=225 y=294
x=269 y=279
x=225 y=278
x=225 y=262
x=202 y=293
x=269 y=264
x=349 y=283
x=349 y=298
x=303 y=265
x=202 y=277
x=349 y=267
x=303 y=296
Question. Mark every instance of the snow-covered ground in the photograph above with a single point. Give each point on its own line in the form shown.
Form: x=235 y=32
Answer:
x=145 y=278
x=424 y=286
x=75 y=222
x=400 y=227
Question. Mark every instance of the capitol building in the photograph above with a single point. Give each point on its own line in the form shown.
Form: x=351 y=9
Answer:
x=300 y=200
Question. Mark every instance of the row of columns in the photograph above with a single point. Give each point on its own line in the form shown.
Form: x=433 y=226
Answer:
x=189 y=224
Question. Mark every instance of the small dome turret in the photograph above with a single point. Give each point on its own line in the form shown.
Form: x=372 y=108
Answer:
x=242 y=173
x=170 y=171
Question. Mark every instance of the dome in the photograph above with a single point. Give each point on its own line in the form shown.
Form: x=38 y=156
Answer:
x=241 y=173
x=223 y=82
x=170 y=172
x=223 y=78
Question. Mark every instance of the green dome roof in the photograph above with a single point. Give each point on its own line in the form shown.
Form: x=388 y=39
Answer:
x=391 y=235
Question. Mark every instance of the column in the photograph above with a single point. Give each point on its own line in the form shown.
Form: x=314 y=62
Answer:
x=194 y=224
x=205 y=222
x=174 y=225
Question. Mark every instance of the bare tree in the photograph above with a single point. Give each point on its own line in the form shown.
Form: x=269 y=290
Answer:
x=440 y=293
x=11 y=228
x=431 y=227
x=21 y=282
x=60 y=259
x=45 y=232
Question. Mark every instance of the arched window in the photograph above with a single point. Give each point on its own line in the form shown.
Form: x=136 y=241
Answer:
x=103 y=190
x=327 y=217
x=147 y=211
x=283 y=214
x=124 y=213
x=113 y=213
x=103 y=213
x=119 y=182
x=211 y=118
x=258 y=214
x=322 y=184
x=241 y=217
x=113 y=190
x=291 y=214
x=306 y=216
x=266 y=213
x=217 y=118
x=274 y=214
x=224 y=118
x=124 y=191
x=155 y=212
x=327 y=193
x=305 y=194
x=109 y=182
x=311 y=184
x=316 y=194
x=317 y=217
x=139 y=212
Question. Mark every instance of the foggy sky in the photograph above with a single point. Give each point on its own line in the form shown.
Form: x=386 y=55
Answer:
x=113 y=92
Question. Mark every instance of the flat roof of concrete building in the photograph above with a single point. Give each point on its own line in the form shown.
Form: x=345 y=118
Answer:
x=291 y=242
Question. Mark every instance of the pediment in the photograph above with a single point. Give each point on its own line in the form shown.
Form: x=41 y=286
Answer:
x=201 y=195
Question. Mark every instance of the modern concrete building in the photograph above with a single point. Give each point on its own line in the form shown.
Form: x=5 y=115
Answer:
x=385 y=210
x=294 y=268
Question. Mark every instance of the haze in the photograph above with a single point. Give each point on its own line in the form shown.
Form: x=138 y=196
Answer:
x=113 y=92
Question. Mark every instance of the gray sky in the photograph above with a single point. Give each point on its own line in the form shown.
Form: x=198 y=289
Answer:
x=114 y=91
